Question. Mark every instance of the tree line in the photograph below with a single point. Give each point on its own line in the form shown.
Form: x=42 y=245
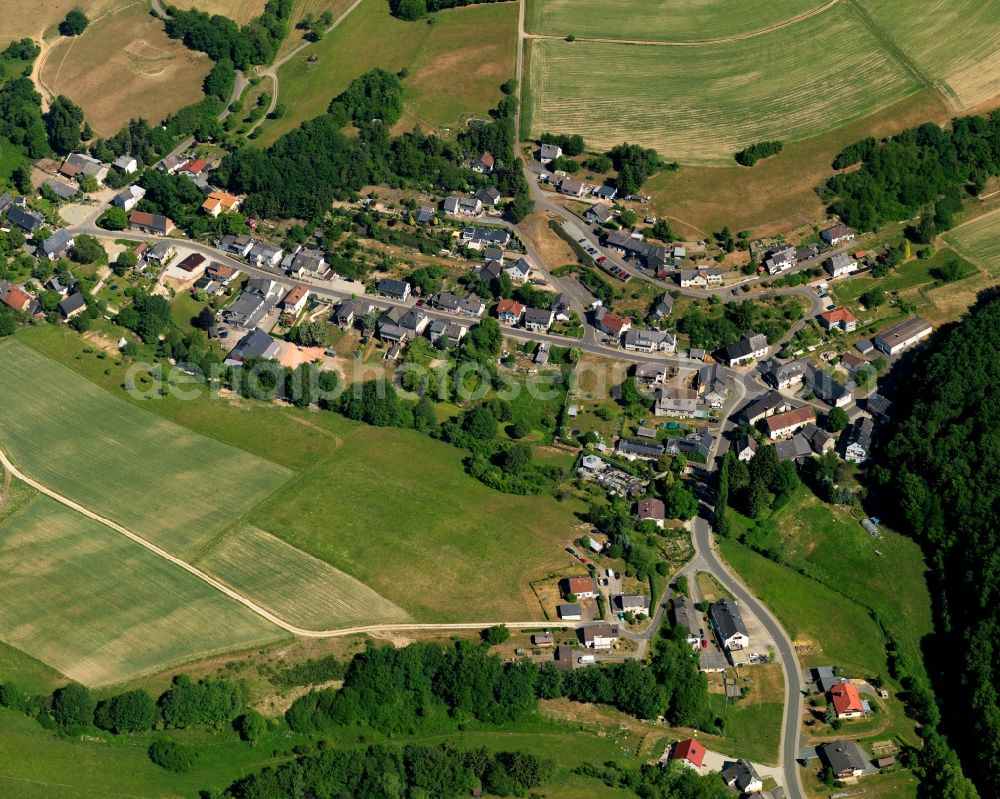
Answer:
x=418 y=9
x=221 y=39
x=923 y=170
x=753 y=153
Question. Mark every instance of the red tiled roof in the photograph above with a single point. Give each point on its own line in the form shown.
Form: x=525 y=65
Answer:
x=510 y=306
x=689 y=750
x=846 y=699
x=796 y=416
x=838 y=316
x=652 y=508
x=296 y=294
x=581 y=585
x=487 y=158
x=612 y=321
x=195 y=166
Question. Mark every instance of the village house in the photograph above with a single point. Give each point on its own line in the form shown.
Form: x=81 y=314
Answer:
x=73 y=305
x=441 y=331
x=542 y=639
x=742 y=776
x=763 y=406
x=638 y=340
x=537 y=320
x=235 y=245
x=651 y=509
x=797 y=448
x=16 y=298
x=784 y=424
x=150 y=223
x=638 y=450
x=569 y=611
x=689 y=752
x=845 y=759
x=580 y=587
x=598 y=214
x=780 y=259
x=425 y=214
x=679 y=402
x=820 y=440
x=728 y=623
x=308 y=262
x=648 y=374
x=484 y=164
x=599 y=636
x=751 y=346
x=663 y=306
x=745 y=448
x=652 y=256
x=64 y=191
x=265 y=254
x=56 y=246
x=470 y=305
x=220 y=273
x=396 y=289
x=256 y=344
x=126 y=164
x=76 y=165
x=784 y=375
x=611 y=323
x=220 y=202
x=24 y=220
x=572 y=187
x=518 y=271
x=489 y=196
x=846 y=701
x=160 y=252
x=902 y=335
x=605 y=192
x=348 y=312
x=258 y=298
x=630 y=603
x=840 y=264
x=295 y=300
x=509 y=312
x=859 y=440
x=839 y=319
x=829 y=389
x=549 y=153
x=702 y=277
x=128 y=197
x=686 y=617
x=852 y=363
x=477 y=238
x=837 y=234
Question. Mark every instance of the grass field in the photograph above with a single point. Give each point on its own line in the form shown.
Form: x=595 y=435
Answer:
x=175 y=487
x=753 y=724
x=908 y=276
x=302 y=8
x=979 y=241
x=455 y=66
x=700 y=104
x=660 y=20
x=396 y=510
x=100 y=608
x=299 y=588
x=954 y=43
x=141 y=72
x=811 y=613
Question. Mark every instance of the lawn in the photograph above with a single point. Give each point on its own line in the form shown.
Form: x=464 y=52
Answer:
x=183 y=310
x=100 y=608
x=455 y=66
x=954 y=43
x=175 y=487
x=910 y=275
x=660 y=20
x=301 y=589
x=830 y=546
x=702 y=103
x=753 y=723
x=141 y=72
x=812 y=614
x=396 y=510
x=979 y=241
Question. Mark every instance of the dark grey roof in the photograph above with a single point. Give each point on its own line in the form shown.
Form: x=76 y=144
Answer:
x=5 y=202
x=394 y=288
x=63 y=191
x=762 y=405
x=255 y=344
x=842 y=756
x=798 y=446
x=740 y=774
x=640 y=448
x=58 y=242
x=569 y=609
x=537 y=316
x=861 y=433
x=25 y=220
x=727 y=618
x=73 y=302
x=776 y=373
x=686 y=615
x=488 y=194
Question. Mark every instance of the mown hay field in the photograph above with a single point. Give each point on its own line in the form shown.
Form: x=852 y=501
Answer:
x=298 y=587
x=661 y=20
x=141 y=72
x=42 y=17
x=455 y=66
x=100 y=608
x=701 y=104
x=240 y=11
x=954 y=43
x=174 y=487
x=979 y=241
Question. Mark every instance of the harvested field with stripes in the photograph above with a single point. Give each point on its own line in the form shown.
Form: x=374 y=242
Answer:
x=700 y=104
x=979 y=241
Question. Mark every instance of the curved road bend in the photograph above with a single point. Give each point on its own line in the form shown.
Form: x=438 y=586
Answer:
x=789 y=742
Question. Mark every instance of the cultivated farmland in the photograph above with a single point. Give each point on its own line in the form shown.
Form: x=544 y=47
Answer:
x=700 y=104
x=170 y=485
x=141 y=72
x=100 y=608
x=955 y=44
x=455 y=66
x=979 y=241
x=661 y=20
x=301 y=589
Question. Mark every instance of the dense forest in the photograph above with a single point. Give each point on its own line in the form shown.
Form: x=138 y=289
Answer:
x=940 y=470
x=924 y=170
x=222 y=39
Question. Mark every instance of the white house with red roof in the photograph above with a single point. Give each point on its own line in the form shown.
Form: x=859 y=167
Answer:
x=581 y=587
x=846 y=701
x=840 y=318
x=689 y=752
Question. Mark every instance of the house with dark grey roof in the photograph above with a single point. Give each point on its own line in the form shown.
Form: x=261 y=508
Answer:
x=675 y=401
x=128 y=197
x=56 y=246
x=396 y=289
x=745 y=448
x=837 y=234
x=650 y=373
x=488 y=196
x=74 y=304
x=348 y=312
x=598 y=214
x=742 y=776
x=829 y=389
x=599 y=636
x=470 y=305
x=265 y=254
x=797 y=448
x=686 y=617
x=844 y=758
x=780 y=259
x=640 y=340
x=840 y=264
x=859 y=440
x=236 y=245
x=259 y=297
x=729 y=625
x=632 y=449
x=255 y=344
x=750 y=346
x=538 y=320
x=605 y=192
x=476 y=238
x=763 y=406
x=711 y=385
x=664 y=306
x=784 y=375
x=64 y=191
x=445 y=332
x=23 y=219
x=549 y=152
x=425 y=214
